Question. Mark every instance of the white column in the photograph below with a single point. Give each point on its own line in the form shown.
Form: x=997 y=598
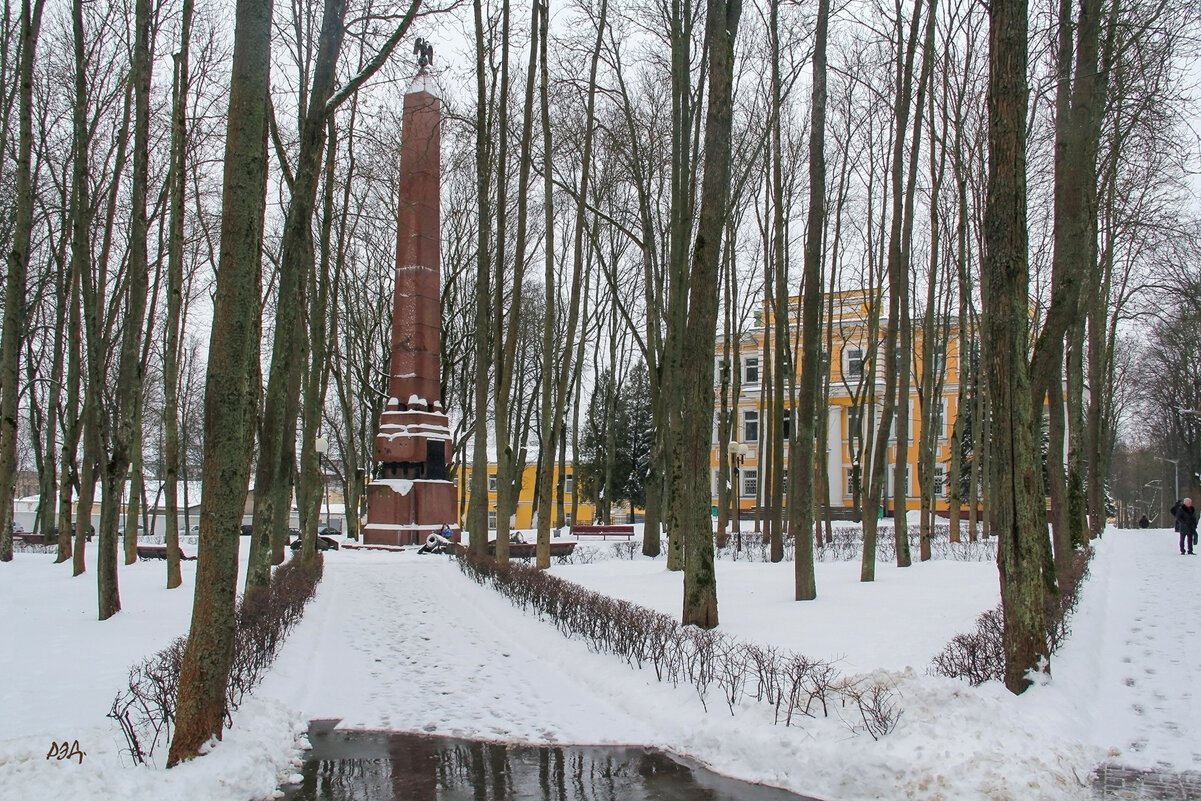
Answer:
x=834 y=445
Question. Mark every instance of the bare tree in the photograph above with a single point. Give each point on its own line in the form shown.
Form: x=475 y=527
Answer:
x=477 y=512
x=801 y=519
x=569 y=367
x=230 y=395
x=18 y=266
x=317 y=104
x=689 y=483
x=176 y=181
x=1017 y=500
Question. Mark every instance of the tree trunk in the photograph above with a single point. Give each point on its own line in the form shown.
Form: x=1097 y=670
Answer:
x=477 y=510
x=176 y=178
x=72 y=422
x=1074 y=261
x=896 y=374
x=281 y=408
x=781 y=360
x=806 y=417
x=568 y=372
x=18 y=267
x=679 y=226
x=1016 y=492
x=690 y=463
x=229 y=396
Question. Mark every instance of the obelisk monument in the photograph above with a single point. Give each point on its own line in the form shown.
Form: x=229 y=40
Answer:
x=410 y=496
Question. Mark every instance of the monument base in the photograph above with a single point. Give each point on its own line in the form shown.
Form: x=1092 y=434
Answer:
x=406 y=511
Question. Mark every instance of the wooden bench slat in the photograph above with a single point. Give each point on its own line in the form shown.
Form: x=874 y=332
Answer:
x=603 y=532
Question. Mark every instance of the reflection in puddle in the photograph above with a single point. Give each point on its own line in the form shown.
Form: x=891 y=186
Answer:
x=394 y=766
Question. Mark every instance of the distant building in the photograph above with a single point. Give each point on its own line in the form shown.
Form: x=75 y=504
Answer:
x=853 y=412
x=524 y=517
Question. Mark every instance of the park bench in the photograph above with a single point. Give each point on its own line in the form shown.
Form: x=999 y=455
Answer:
x=528 y=550
x=604 y=532
x=153 y=551
x=27 y=538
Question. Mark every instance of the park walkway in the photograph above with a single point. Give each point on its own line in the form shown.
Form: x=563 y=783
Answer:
x=1146 y=669
x=1116 y=783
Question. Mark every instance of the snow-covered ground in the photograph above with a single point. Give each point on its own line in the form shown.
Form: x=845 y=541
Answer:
x=406 y=642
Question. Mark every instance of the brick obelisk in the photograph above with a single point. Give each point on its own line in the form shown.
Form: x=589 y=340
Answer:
x=410 y=497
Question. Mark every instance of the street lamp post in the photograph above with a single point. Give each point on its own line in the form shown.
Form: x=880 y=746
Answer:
x=1176 y=472
x=322 y=446
x=738 y=452
x=1156 y=485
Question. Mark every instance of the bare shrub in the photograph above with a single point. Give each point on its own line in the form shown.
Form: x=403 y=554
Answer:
x=792 y=684
x=764 y=662
x=626 y=550
x=145 y=709
x=584 y=556
x=876 y=702
x=731 y=670
x=979 y=656
x=806 y=680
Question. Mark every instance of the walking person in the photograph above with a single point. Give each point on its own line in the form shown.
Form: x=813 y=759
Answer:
x=1186 y=524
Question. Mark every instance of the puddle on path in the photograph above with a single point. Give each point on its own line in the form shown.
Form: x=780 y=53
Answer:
x=395 y=766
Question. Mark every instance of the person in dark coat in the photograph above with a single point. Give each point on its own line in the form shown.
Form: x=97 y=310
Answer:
x=1186 y=524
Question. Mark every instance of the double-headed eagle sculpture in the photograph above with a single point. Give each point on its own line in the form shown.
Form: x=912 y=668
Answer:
x=425 y=53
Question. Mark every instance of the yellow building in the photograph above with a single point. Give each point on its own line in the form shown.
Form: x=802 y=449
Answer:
x=854 y=406
x=524 y=517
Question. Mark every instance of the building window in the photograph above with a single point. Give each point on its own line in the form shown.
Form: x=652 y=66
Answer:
x=750 y=426
x=750 y=370
x=940 y=481
x=788 y=424
x=492 y=485
x=854 y=421
x=938 y=361
x=854 y=362
x=492 y=520
x=750 y=482
x=569 y=484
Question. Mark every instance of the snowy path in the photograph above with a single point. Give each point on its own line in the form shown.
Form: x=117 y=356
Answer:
x=1134 y=658
x=386 y=617
x=407 y=642
x=1151 y=660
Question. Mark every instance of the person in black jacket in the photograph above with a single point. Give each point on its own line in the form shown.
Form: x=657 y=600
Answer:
x=1186 y=524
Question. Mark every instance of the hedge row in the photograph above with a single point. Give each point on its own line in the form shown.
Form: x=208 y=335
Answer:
x=145 y=709
x=716 y=665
